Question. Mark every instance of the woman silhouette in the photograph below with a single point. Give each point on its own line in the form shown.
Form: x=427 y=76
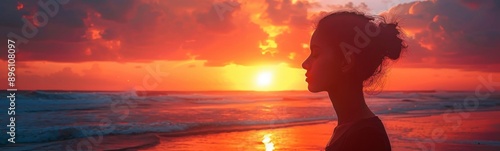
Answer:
x=348 y=51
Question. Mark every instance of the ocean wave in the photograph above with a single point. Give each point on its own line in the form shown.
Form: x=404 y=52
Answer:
x=58 y=133
x=60 y=109
x=109 y=142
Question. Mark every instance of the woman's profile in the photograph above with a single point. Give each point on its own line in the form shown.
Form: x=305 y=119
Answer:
x=348 y=51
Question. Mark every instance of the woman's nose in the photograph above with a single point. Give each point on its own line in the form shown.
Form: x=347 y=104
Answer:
x=305 y=64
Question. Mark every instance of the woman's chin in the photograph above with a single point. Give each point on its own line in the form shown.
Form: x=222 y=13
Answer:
x=313 y=88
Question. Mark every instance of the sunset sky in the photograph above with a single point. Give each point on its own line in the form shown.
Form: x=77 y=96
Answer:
x=191 y=45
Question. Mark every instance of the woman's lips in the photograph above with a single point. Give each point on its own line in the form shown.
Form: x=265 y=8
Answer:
x=307 y=77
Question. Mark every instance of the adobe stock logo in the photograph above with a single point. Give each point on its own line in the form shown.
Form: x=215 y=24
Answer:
x=361 y=40
x=222 y=8
x=40 y=19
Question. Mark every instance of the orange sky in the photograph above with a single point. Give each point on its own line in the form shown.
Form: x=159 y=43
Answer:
x=192 y=75
x=254 y=45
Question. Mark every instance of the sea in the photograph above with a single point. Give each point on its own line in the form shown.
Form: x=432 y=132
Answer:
x=54 y=117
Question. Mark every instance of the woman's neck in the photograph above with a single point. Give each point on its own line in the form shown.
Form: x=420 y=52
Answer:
x=349 y=104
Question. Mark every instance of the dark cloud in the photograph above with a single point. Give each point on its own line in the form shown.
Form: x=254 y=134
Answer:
x=110 y=34
x=287 y=13
x=446 y=33
x=10 y=17
x=147 y=31
x=362 y=7
x=115 y=10
x=449 y=33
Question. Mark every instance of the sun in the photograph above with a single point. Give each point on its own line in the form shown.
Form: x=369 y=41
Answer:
x=264 y=79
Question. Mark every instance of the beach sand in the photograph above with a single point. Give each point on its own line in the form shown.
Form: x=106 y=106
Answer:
x=478 y=130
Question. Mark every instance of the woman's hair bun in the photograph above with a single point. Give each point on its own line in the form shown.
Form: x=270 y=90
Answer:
x=390 y=40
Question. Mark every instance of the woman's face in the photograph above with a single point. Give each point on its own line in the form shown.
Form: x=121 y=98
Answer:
x=321 y=67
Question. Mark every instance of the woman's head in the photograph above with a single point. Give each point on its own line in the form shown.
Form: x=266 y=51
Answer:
x=349 y=48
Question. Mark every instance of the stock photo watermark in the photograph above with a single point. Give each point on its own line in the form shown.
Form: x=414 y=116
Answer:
x=225 y=7
x=357 y=41
x=29 y=29
x=124 y=110
x=11 y=79
x=49 y=9
x=121 y=106
x=460 y=112
x=361 y=40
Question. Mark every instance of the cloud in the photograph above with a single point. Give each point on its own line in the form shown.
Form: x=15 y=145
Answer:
x=157 y=30
x=444 y=33
x=362 y=7
x=451 y=34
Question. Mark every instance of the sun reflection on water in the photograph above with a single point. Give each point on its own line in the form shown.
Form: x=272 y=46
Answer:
x=268 y=142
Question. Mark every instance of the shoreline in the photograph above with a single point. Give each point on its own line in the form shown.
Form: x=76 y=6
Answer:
x=479 y=131
x=414 y=131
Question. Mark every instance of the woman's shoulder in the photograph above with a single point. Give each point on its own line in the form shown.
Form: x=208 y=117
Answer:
x=367 y=134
